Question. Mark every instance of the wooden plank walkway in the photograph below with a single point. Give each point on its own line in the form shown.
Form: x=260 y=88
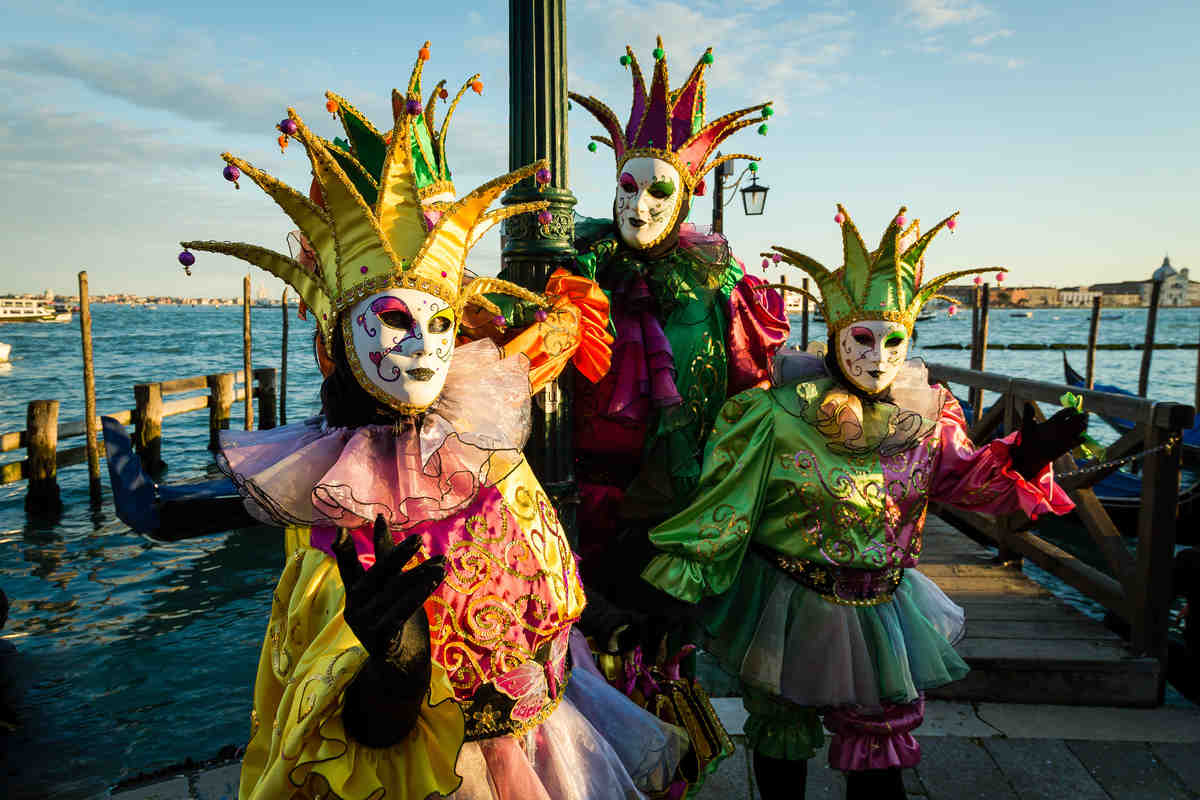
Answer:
x=1023 y=644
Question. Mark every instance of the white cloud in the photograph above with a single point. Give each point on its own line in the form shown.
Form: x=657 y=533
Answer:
x=986 y=38
x=161 y=83
x=928 y=15
x=790 y=55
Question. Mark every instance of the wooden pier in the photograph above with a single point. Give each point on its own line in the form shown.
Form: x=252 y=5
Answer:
x=1023 y=644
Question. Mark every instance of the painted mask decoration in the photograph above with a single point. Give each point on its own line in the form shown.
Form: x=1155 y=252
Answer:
x=399 y=345
x=649 y=195
x=871 y=352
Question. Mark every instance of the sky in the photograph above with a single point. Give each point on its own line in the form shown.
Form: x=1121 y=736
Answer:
x=1066 y=133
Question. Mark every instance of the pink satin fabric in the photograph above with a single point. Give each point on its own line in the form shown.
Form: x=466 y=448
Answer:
x=758 y=325
x=497 y=605
x=875 y=741
x=983 y=479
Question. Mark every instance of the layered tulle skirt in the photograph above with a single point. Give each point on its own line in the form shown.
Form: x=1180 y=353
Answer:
x=597 y=745
x=786 y=640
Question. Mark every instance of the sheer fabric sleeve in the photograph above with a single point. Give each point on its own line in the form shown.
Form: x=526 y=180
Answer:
x=703 y=545
x=298 y=746
x=983 y=479
x=758 y=325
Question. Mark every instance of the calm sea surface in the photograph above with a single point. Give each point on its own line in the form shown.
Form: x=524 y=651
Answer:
x=133 y=655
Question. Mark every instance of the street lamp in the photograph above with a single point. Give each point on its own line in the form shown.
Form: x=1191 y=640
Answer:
x=754 y=197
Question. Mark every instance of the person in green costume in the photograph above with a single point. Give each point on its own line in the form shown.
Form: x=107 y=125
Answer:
x=691 y=327
x=801 y=543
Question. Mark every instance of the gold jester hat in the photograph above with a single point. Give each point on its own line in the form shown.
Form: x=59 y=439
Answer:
x=886 y=284
x=362 y=248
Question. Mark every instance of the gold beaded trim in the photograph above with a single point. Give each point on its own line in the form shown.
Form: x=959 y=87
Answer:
x=825 y=580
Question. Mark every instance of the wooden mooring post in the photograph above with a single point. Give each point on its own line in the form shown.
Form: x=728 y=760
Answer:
x=979 y=347
x=804 y=316
x=248 y=373
x=1093 y=333
x=220 y=406
x=264 y=377
x=41 y=430
x=1196 y=403
x=89 y=390
x=283 y=362
x=1148 y=347
x=147 y=421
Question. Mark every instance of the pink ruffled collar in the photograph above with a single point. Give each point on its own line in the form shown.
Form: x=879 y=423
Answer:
x=310 y=474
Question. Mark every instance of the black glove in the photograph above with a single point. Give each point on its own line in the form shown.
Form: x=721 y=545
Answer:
x=1042 y=442
x=384 y=610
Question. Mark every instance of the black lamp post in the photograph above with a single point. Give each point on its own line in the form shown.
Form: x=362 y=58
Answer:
x=754 y=197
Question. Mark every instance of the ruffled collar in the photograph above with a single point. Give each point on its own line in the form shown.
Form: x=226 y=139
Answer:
x=427 y=469
x=853 y=425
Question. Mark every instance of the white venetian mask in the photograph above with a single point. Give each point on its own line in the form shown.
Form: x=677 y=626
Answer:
x=400 y=343
x=649 y=195
x=871 y=353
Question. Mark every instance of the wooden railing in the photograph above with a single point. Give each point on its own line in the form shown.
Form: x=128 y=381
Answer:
x=1136 y=588
x=43 y=431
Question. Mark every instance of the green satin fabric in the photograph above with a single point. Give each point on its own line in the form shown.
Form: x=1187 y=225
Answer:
x=692 y=297
x=772 y=478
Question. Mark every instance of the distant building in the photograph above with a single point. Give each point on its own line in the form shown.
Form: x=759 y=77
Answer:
x=1077 y=296
x=1177 y=288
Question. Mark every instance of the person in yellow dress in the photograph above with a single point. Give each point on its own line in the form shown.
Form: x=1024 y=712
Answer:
x=420 y=640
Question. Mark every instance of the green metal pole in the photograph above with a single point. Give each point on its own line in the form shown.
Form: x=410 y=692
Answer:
x=530 y=251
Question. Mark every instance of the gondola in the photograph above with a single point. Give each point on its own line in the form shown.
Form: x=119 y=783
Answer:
x=1191 y=436
x=167 y=512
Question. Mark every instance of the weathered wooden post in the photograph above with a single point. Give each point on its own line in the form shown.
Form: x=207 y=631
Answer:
x=89 y=390
x=247 y=373
x=220 y=406
x=283 y=349
x=1014 y=410
x=1196 y=402
x=530 y=251
x=147 y=434
x=265 y=378
x=1148 y=346
x=974 y=324
x=41 y=449
x=979 y=351
x=804 y=316
x=1156 y=534
x=1093 y=333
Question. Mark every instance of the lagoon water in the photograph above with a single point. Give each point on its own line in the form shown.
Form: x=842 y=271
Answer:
x=134 y=655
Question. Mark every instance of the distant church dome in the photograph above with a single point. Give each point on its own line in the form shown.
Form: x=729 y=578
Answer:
x=1165 y=271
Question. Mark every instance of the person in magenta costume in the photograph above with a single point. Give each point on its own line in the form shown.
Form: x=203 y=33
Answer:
x=421 y=638
x=802 y=541
x=691 y=329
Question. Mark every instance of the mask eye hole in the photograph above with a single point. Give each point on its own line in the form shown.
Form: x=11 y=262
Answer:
x=662 y=189
x=401 y=320
x=894 y=340
x=863 y=336
x=440 y=324
x=627 y=183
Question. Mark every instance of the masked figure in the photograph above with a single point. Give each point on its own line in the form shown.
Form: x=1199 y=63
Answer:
x=690 y=328
x=420 y=639
x=801 y=544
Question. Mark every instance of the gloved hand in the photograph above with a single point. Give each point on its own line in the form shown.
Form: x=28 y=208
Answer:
x=1042 y=442
x=384 y=610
